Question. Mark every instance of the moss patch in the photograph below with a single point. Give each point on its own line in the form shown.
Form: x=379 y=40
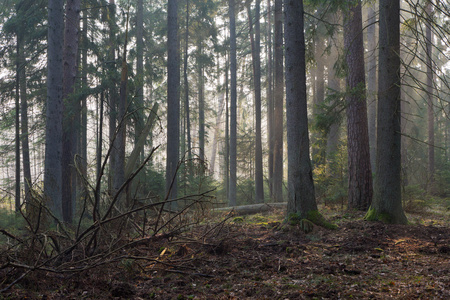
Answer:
x=312 y=218
x=387 y=218
x=317 y=218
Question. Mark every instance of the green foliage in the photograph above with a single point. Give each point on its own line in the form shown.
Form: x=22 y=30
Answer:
x=331 y=111
x=245 y=193
x=152 y=182
x=10 y=221
x=442 y=180
x=415 y=199
x=331 y=178
x=193 y=178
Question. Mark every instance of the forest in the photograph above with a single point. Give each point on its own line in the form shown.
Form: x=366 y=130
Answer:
x=224 y=149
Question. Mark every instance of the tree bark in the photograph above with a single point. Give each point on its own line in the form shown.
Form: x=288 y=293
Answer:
x=256 y=59
x=387 y=202
x=334 y=86
x=359 y=170
x=53 y=128
x=173 y=102
x=17 y=130
x=300 y=181
x=112 y=92
x=84 y=111
x=186 y=86
x=269 y=96
x=24 y=125
x=233 y=105
x=430 y=106
x=277 y=184
x=227 y=130
x=319 y=96
x=372 y=82
x=120 y=140
x=99 y=151
x=139 y=115
x=201 y=103
x=71 y=106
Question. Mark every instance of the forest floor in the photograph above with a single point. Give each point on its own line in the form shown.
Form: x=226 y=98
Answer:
x=255 y=257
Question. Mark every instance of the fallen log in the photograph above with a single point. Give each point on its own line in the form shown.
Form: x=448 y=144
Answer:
x=252 y=208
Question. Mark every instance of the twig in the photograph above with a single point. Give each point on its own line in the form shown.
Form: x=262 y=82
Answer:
x=11 y=236
x=187 y=273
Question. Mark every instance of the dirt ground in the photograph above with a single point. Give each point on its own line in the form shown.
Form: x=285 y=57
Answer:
x=255 y=257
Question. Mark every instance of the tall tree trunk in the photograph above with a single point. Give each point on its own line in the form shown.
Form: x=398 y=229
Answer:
x=256 y=58
x=173 y=102
x=98 y=176
x=112 y=92
x=186 y=86
x=372 y=82
x=24 y=124
x=319 y=95
x=359 y=170
x=84 y=85
x=53 y=128
x=334 y=86
x=201 y=103
x=430 y=107
x=269 y=96
x=17 y=129
x=233 y=105
x=387 y=202
x=300 y=181
x=139 y=74
x=71 y=106
x=277 y=184
x=227 y=130
x=120 y=140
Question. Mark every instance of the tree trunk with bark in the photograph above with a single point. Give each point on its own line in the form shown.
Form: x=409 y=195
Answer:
x=17 y=130
x=430 y=90
x=186 y=86
x=233 y=105
x=372 y=82
x=120 y=140
x=71 y=107
x=112 y=91
x=201 y=103
x=269 y=96
x=24 y=124
x=139 y=101
x=359 y=170
x=82 y=151
x=256 y=59
x=334 y=86
x=173 y=102
x=319 y=96
x=53 y=128
x=277 y=184
x=301 y=199
x=387 y=201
